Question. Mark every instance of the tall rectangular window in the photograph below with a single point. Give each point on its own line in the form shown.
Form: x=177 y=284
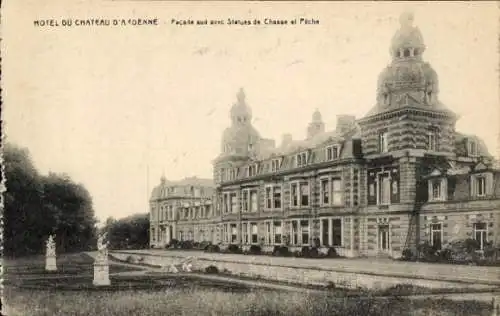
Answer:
x=253 y=201
x=432 y=142
x=294 y=192
x=384 y=189
x=481 y=234
x=225 y=201
x=244 y=233
x=304 y=193
x=269 y=236
x=234 y=233
x=234 y=203
x=331 y=153
x=304 y=227
x=325 y=191
x=337 y=191
x=254 y=233
x=325 y=227
x=480 y=186
x=269 y=197
x=295 y=233
x=277 y=197
x=472 y=148
x=436 y=235
x=337 y=232
x=382 y=142
x=277 y=233
x=222 y=175
x=244 y=200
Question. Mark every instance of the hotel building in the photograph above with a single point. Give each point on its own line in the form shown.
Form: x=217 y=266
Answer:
x=374 y=186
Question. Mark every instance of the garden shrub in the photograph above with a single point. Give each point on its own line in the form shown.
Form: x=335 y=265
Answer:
x=186 y=244
x=255 y=250
x=332 y=253
x=281 y=251
x=204 y=245
x=212 y=248
x=233 y=249
x=211 y=270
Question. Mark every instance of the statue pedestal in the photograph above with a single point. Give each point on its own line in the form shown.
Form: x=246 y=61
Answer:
x=50 y=263
x=101 y=273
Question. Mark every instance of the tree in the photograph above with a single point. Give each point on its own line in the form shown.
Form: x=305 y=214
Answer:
x=37 y=206
x=128 y=232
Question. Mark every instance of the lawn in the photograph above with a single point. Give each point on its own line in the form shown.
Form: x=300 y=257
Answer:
x=31 y=291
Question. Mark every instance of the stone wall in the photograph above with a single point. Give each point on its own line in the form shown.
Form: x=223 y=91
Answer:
x=251 y=267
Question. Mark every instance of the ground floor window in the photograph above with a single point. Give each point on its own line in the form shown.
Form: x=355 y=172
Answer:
x=268 y=233
x=331 y=232
x=181 y=236
x=383 y=237
x=277 y=233
x=225 y=233
x=234 y=233
x=436 y=235
x=481 y=234
x=244 y=233
x=299 y=232
x=254 y=233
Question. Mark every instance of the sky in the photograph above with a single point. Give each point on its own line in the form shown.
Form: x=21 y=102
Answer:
x=115 y=107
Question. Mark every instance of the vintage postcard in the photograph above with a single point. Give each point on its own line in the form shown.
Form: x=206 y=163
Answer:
x=250 y=158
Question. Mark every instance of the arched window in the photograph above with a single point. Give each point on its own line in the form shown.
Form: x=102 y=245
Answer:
x=407 y=52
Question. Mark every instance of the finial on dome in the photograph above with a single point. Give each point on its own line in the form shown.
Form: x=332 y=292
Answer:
x=163 y=179
x=241 y=96
x=406 y=19
x=316 y=117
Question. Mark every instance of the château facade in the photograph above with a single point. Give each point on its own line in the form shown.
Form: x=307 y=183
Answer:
x=375 y=186
x=181 y=210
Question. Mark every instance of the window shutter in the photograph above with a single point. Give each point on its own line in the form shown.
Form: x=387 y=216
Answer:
x=472 y=185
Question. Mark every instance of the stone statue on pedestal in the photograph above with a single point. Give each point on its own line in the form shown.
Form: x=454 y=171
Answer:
x=50 y=254
x=101 y=264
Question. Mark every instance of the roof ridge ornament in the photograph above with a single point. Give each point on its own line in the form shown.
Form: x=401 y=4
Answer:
x=241 y=96
x=406 y=20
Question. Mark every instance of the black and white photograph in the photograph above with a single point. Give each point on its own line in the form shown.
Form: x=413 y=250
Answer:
x=250 y=158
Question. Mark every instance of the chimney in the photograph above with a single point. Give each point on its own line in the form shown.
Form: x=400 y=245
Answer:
x=286 y=140
x=345 y=123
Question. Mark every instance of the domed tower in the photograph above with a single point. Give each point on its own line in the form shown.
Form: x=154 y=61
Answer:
x=408 y=113
x=316 y=126
x=240 y=141
x=241 y=138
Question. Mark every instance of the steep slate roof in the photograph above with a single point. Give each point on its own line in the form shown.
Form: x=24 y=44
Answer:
x=191 y=181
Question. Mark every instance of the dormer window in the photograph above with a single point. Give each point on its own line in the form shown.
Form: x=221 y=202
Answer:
x=252 y=170
x=233 y=173
x=407 y=52
x=302 y=159
x=415 y=52
x=437 y=189
x=275 y=165
x=331 y=153
x=472 y=148
x=382 y=142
